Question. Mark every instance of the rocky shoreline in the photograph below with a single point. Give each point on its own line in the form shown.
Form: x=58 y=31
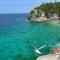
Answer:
x=39 y=15
x=39 y=19
x=55 y=55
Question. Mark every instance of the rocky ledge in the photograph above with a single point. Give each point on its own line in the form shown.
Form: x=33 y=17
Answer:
x=39 y=15
x=55 y=55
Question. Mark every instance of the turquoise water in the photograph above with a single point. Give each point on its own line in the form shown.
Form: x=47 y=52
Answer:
x=16 y=30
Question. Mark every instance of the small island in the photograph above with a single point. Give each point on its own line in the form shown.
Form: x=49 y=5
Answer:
x=45 y=12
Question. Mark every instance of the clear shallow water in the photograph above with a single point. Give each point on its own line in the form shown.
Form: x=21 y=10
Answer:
x=15 y=30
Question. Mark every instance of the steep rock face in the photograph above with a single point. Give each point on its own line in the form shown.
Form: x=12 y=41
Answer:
x=39 y=15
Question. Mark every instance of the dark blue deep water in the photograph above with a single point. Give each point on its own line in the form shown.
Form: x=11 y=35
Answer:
x=16 y=30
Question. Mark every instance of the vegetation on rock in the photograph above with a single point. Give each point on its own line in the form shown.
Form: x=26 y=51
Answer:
x=49 y=8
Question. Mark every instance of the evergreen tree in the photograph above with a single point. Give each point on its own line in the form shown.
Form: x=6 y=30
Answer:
x=49 y=8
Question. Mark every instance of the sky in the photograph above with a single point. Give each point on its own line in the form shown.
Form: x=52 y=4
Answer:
x=20 y=6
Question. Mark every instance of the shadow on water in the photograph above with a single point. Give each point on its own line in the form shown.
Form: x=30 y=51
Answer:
x=21 y=57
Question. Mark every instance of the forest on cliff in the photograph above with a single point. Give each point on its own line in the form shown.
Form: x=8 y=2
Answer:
x=49 y=8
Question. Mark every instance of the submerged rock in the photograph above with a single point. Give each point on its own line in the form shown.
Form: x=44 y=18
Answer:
x=18 y=57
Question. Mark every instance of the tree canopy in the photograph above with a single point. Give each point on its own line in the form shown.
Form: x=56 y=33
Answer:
x=49 y=8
